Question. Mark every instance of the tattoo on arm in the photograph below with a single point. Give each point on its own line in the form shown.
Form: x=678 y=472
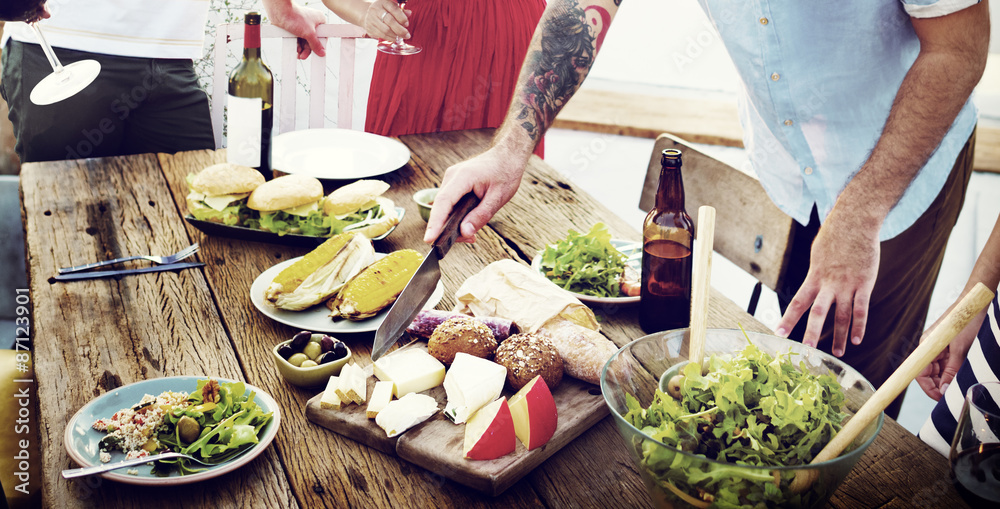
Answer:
x=559 y=67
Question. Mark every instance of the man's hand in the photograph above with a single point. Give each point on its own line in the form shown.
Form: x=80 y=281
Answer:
x=842 y=270
x=493 y=175
x=301 y=21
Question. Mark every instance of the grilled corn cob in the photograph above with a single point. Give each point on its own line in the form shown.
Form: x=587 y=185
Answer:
x=321 y=273
x=376 y=287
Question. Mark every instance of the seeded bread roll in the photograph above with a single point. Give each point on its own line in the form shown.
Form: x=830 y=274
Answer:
x=461 y=334
x=526 y=355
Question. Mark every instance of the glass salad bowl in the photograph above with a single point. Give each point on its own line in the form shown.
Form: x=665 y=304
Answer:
x=683 y=475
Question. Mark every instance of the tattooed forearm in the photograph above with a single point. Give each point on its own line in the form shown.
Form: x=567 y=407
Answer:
x=554 y=71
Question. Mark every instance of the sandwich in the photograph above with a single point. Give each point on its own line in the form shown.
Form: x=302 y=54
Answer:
x=321 y=273
x=360 y=207
x=219 y=193
x=290 y=204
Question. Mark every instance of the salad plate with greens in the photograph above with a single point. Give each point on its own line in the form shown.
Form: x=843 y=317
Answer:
x=225 y=423
x=593 y=266
x=734 y=431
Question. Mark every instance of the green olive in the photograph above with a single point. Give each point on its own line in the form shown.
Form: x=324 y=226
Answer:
x=308 y=364
x=674 y=386
x=312 y=350
x=188 y=429
x=297 y=359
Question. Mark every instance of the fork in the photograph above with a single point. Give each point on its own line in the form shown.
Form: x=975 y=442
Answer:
x=161 y=260
x=107 y=467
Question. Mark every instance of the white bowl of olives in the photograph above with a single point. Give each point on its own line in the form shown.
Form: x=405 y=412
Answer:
x=309 y=360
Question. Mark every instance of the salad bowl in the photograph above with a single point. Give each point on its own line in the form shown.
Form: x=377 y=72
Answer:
x=678 y=473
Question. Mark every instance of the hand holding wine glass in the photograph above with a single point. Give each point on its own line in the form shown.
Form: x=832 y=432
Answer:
x=397 y=46
x=65 y=81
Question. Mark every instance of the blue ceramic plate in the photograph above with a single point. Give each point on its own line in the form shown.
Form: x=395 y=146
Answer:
x=81 y=439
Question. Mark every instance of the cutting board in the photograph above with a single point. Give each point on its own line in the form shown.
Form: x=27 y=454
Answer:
x=436 y=444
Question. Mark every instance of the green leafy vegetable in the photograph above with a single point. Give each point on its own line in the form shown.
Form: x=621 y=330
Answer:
x=751 y=409
x=585 y=264
x=230 y=423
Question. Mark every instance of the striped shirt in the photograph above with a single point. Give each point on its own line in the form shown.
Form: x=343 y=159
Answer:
x=128 y=28
x=981 y=365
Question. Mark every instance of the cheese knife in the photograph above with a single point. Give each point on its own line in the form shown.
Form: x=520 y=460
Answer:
x=423 y=282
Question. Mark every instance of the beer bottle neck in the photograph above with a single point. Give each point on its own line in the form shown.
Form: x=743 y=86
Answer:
x=670 y=192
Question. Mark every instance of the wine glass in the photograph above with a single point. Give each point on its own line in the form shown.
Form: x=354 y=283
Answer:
x=975 y=450
x=65 y=80
x=399 y=46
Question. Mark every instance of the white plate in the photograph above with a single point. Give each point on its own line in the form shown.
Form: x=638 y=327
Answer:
x=317 y=318
x=81 y=439
x=628 y=248
x=341 y=154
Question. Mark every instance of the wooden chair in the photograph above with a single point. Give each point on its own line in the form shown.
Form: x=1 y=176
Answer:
x=750 y=230
x=226 y=33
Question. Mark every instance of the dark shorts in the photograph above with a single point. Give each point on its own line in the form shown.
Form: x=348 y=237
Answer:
x=136 y=105
x=907 y=272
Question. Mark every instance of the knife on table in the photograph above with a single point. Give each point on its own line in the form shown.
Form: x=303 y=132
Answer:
x=423 y=282
x=76 y=276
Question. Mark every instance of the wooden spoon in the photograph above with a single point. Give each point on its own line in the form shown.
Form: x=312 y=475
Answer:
x=701 y=276
x=933 y=344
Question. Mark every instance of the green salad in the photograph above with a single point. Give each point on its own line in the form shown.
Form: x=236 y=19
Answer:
x=215 y=423
x=585 y=264
x=751 y=409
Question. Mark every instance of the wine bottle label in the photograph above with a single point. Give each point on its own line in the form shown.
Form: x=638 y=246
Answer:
x=243 y=120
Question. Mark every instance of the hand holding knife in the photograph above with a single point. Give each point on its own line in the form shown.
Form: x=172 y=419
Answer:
x=423 y=282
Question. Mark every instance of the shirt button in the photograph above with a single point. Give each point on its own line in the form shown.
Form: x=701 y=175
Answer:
x=789 y=122
x=775 y=76
x=763 y=21
x=808 y=170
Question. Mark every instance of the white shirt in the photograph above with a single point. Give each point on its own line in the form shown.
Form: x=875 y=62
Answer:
x=129 y=28
x=818 y=80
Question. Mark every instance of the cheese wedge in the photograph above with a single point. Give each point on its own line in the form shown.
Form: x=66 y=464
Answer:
x=330 y=399
x=353 y=385
x=381 y=395
x=471 y=383
x=404 y=413
x=411 y=370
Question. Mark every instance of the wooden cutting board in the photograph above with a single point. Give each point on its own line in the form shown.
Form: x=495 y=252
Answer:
x=436 y=444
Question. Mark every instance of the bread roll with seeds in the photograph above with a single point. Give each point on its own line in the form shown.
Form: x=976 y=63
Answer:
x=461 y=334
x=526 y=355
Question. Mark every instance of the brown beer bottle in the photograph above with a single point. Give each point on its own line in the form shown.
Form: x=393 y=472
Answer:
x=667 y=241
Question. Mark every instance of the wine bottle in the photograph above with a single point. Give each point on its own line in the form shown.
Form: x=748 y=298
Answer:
x=667 y=242
x=250 y=111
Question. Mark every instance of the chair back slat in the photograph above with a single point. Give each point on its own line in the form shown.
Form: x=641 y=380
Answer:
x=288 y=81
x=750 y=230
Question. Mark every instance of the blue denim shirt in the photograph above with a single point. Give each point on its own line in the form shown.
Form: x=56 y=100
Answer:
x=818 y=79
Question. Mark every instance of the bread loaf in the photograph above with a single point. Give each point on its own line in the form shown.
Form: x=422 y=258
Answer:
x=527 y=355
x=461 y=334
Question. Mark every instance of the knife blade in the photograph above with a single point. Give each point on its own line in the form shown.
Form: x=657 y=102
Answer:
x=423 y=282
x=76 y=276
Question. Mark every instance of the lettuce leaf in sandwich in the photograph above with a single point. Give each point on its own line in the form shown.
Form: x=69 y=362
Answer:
x=219 y=193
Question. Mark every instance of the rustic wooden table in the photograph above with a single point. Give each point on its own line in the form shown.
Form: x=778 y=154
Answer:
x=90 y=337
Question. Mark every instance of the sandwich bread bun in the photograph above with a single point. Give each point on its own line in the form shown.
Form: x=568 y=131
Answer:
x=353 y=196
x=285 y=192
x=226 y=178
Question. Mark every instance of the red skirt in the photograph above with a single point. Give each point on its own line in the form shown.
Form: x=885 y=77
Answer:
x=466 y=74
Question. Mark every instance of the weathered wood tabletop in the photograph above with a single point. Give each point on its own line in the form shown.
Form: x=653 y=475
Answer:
x=92 y=336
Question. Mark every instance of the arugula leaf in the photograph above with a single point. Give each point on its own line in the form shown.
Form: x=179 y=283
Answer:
x=586 y=264
x=751 y=409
